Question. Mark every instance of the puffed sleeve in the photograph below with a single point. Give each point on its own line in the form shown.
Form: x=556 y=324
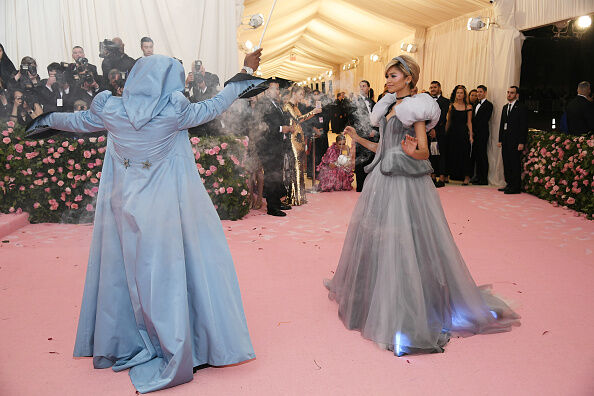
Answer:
x=421 y=107
x=193 y=114
x=82 y=121
x=381 y=107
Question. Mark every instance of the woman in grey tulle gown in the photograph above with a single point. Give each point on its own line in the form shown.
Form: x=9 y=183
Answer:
x=401 y=280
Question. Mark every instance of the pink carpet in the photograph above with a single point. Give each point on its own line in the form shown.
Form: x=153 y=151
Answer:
x=538 y=257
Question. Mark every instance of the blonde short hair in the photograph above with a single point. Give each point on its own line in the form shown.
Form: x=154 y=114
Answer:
x=412 y=64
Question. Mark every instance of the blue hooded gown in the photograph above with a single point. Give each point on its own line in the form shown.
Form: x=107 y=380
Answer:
x=161 y=293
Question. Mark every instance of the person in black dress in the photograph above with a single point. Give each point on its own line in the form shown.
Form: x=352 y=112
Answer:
x=460 y=138
x=438 y=134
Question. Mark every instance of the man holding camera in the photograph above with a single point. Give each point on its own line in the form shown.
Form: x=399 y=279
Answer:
x=114 y=57
x=26 y=78
x=203 y=85
x=55 y=92
x=81 y=63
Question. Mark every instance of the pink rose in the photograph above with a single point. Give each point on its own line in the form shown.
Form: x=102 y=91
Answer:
x=194 y=140
x=570 y=200
x=243 y=192
x=222 y=190
x=74 y=206
x=60 y=183
x=36 y=205
x=101 y=139
x=208 y=173
x=229 y=190
x=78 y=198
x=64 y=144
x=71 y=148
x=89 y=208
x=201 y=170
x=51 y=171
x=215 y=185
x=87 y=154
x=10 y=124
x=18 y=148
x=93 y=180
x=213 y=168
x=198 y=155
x=6 y=140
x=95 y=189
x=223 y=145
x=54 y=179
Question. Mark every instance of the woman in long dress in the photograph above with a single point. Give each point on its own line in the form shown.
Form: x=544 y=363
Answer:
x=459 y=134
x=401 y=280
x=336 y=169
x=296 y=165
x=161 y=294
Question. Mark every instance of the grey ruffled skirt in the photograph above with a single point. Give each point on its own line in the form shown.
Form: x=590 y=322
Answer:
x=401 y=280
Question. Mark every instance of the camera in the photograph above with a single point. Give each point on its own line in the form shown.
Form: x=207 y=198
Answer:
x=108 y=48
x=27 y=67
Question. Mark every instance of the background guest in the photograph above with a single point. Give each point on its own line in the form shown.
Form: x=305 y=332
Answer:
x=359 y=118
x=271 y=149
x=438 y=134
x=580 y=111
x=473 y=97
x=513 y=131
x=55 y=92
x=480 y=127
x=460 y=137
x=146 y=45
x=336 y=168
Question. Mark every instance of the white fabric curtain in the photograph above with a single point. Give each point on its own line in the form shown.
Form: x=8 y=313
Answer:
x=186 y=29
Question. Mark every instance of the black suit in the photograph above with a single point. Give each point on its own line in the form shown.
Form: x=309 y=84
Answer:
x=50 y=99
x=271 y=148
x=211 y=128
x=513 y=131
x=359 y=118
x=439 y=161
x=580 y=116
x=480 y=129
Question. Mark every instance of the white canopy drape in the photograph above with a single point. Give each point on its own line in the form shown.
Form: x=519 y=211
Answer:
x=186 y=29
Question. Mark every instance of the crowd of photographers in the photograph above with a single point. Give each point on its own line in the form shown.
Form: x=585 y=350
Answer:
x=71 y=86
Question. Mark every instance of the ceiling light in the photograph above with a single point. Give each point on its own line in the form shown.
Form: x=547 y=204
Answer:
x=315 y=79
x=374 y=58
x=403 y=46
x=477 y=23
x=584 y=22
x=411 y=48
x=249 y=45
x=256 y=21
x=329 y=73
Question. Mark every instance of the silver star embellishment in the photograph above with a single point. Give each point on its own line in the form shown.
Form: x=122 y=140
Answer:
x=146 y=164
x=126 y=163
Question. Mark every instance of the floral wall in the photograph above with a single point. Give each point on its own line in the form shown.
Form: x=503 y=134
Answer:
x=57 y=179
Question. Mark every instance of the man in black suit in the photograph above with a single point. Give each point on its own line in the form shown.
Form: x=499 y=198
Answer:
x=480 y=127
x=82 y=63
x=271 y=148
x=513 y=131
x=438 y=134
x=55 y=94
x=359 y=117
x=580 y=111
x=320 y=126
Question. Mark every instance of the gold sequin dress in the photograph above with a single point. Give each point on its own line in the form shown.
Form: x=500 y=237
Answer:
x=295 y=172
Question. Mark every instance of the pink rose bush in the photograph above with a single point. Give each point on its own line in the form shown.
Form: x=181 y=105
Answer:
x=57 y=179
x=560 y=169
x=223 y=174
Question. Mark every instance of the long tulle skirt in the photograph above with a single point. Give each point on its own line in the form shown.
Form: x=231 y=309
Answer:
x=401 y=280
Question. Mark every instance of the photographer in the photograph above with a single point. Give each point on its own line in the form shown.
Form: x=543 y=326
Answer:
x=26 y=78
x=116 y=80
x=81 y=64
x=146 y=45
x=112 y=52
x=203 y=85
x=25 y=108
x=87 y=90
x=55 y=92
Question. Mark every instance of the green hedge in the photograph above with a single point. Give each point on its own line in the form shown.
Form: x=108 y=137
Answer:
x=56 y=180
x=560 y=169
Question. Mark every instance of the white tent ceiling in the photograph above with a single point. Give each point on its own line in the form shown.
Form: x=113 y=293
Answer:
x=324 y=34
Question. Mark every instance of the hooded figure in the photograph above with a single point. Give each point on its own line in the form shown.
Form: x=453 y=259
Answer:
x=161 y=294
